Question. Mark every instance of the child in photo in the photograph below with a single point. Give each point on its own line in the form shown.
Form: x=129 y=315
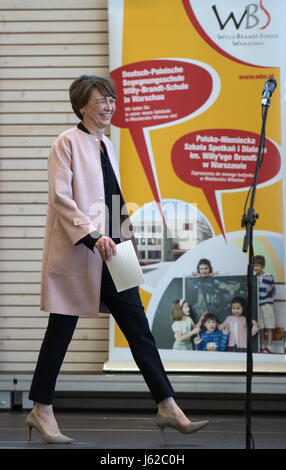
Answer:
x=183 y=325
x=212 y=339
x=237 y=326
x=204 y=268
x=204 y=299
x=266 y=313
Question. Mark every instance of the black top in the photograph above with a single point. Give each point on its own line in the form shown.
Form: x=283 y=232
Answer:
x=110 y=188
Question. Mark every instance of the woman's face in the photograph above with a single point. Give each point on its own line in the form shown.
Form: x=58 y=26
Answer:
x=236 y=309
x=186 y=308
x=204 y=270
x=99 y=110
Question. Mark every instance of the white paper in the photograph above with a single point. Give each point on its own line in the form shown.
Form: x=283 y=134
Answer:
x=124 y=267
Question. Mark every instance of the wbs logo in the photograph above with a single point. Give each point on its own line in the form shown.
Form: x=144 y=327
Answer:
x=253 y=15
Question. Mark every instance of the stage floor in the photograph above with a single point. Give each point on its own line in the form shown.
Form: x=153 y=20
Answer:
x=121 y=430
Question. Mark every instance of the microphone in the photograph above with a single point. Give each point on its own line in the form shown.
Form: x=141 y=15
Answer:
x=269 y=88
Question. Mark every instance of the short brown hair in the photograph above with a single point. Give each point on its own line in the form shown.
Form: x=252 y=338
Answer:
x=210 y=316
x=259 y=259
x=81 y=88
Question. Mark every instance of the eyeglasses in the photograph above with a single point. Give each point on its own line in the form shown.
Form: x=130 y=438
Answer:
x=107 y=100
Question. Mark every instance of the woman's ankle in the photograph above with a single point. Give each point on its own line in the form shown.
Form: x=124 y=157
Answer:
x=168 y=405
x=41 y=408
x=169 y=408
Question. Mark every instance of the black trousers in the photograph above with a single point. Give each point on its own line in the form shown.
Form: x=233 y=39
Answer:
x=128 y=312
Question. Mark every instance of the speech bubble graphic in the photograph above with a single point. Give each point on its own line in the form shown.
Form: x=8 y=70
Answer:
x=221 y=160
x=157 y=93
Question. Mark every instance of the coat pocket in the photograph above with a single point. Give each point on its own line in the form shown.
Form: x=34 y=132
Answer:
x=65 y=258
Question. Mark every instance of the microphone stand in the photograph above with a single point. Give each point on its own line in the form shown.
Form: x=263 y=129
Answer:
x=248 y=221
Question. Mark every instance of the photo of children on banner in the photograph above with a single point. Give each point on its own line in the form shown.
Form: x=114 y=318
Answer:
x=266 y=315
x=212 y=339
x=183 y=325
x=211 y=294
x=231 y=335
x=237 y=326
x=204 y=268
x=179 y=319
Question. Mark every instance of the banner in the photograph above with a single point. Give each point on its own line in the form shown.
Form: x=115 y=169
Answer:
x=189 y=77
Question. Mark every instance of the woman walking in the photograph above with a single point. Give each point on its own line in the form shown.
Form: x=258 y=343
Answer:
x=82 y=231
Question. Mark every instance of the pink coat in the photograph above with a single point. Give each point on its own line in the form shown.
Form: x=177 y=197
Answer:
x=71 y=275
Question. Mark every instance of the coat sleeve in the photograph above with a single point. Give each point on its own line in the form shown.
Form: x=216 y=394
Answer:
x=60 y=176
x=89 y=240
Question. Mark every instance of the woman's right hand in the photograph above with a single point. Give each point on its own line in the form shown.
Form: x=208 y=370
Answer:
x=106 y=247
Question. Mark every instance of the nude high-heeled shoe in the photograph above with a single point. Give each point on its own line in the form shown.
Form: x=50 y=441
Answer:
x=32 y=422
x=164 y=422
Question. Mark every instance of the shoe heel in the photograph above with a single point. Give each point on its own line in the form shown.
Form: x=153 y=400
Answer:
x=30 y=433
x=162 y=429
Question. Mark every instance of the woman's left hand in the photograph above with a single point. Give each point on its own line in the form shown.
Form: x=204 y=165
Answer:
x=106 y=247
